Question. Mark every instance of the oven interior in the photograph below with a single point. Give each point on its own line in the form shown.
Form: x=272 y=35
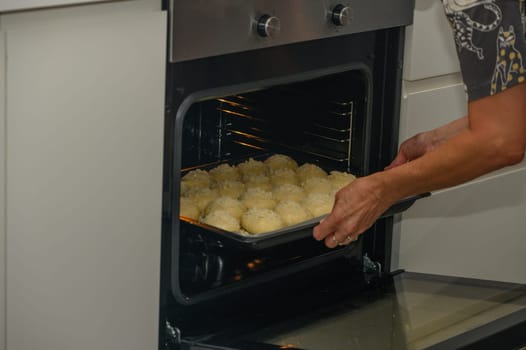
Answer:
x=323 y=121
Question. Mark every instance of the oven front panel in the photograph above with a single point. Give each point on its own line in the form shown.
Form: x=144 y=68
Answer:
x=200 y=266
x=207 y=28
x=200 y=269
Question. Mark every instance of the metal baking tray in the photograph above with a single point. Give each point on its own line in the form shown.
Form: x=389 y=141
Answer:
x=281 y=236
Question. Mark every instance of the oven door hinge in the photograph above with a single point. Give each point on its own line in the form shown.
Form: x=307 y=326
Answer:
x=174 y=341
x=172 y=335
x=372 y=270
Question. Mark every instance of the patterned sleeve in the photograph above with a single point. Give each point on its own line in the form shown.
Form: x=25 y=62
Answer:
x=490 y=42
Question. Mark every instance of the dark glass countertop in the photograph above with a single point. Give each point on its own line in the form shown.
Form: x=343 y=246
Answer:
x=416 y=311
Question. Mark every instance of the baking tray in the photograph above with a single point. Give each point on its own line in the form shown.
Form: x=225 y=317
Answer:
x=284 y=235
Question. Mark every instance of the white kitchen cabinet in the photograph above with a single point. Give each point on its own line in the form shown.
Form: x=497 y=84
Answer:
x=475 y=230
x=2 y=190
x=84 y=128
x=429 y=103
x=15 y=5
x=430 y=49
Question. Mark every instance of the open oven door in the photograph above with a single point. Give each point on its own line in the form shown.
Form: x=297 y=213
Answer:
x=406 y=311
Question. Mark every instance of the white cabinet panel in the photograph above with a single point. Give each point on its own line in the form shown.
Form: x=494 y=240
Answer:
x=72 y=14
x=430 y=103
x=430 y=49
x=473 y=230
x=477 y=231
x=84 y=174
x=12 y=5
x=2 y=190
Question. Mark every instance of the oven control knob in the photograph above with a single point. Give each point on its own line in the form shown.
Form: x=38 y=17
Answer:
x=341 y=15
x=268 y=26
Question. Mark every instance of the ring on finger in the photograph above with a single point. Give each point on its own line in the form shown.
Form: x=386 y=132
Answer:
x=348 y=239
x=335 y=240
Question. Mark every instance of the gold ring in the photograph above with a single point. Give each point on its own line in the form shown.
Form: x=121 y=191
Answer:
x=334 y=239
x=349 y=238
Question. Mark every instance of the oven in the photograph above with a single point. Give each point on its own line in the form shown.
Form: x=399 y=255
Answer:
x=316 y=81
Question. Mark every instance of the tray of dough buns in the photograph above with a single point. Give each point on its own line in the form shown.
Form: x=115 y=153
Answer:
x=262 y=201
x=259 y=198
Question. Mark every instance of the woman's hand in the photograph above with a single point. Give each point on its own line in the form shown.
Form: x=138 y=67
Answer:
x=414 y=148
x=421 y=143
x=356 y=208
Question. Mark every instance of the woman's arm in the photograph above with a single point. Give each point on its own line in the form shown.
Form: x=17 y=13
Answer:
x=495 y=137
x=424 y=142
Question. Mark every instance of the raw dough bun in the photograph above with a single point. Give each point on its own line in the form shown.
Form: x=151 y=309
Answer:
x=317 y=185
x=292 y=212
x=187 y=186
x=258 y=181
x=222 y=220
x=308 y=170
x=252 y=167
x=280 y=161
x=289 y=192
x=258 y=220
x=198 y=177
x=225 y=172
x=188 y=208
x=203 y=196
x=258 y=198
x=231 y=188
x=318 y=204
x=340 y=179
x=284 y=176
x=232 y=206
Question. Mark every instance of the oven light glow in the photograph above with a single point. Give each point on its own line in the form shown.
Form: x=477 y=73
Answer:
x=239 y=105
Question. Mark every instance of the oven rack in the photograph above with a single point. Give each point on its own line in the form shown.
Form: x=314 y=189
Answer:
x=325 y=134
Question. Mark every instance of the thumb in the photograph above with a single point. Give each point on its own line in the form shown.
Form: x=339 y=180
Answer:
x=399 y=160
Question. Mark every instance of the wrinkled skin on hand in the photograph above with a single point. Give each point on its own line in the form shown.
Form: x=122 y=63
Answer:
x=358 y=205
x=356 y=208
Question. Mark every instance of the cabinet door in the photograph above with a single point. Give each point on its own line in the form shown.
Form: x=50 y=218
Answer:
x=85 y=117
x=15 y=5
x=2 y=190
x=474 y=230
x=430 y=46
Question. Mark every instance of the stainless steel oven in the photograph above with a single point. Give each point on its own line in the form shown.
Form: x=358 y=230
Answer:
x=318 y=81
